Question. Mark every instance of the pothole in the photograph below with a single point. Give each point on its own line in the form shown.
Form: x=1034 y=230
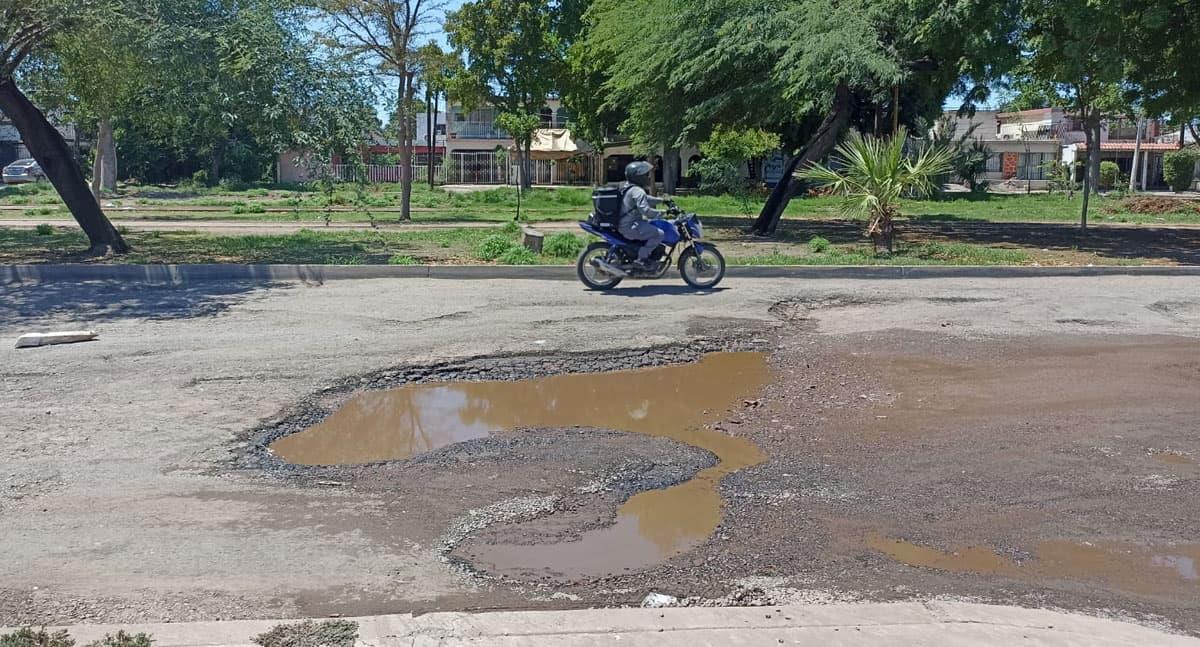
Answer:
x=678 y=402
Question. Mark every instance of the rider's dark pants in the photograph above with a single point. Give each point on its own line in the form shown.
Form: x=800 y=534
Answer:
x=644 y=231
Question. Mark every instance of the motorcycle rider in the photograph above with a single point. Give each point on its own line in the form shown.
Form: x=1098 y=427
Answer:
x=637 y=209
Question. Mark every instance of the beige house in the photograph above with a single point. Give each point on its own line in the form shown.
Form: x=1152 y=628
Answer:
x=1025 y=143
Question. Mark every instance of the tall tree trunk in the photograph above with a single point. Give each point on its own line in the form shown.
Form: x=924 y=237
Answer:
x=50 y=150
x=406 y=120
x=430 y=126
x=1090 y=143
x=1137 y=150
x=1195 y=135
x=671 y=170
x=1094 y=157
x=97 y=165
x=107 y=151
x=214 y=166
x=819 y=145
x=527 y=166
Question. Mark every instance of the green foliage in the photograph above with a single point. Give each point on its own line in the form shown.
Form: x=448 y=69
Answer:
x=718 y=177
x=122 y=639
x=200 y=178
x=563 y=245
x=36 y=638
x=494 y=247
x=511 y=228
x=249 y=208
x=331 y=633
x=739 y=145
x=818 y=245
x=873 y=174
x=519 y=256
x=1110 y=174
x=44 y=229
x=403 y=259
x=1179 y=168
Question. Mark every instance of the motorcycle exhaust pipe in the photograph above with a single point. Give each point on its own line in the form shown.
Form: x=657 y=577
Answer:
x=610 y=268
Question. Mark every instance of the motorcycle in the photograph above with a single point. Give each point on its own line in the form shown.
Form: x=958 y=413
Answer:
x=604 y=264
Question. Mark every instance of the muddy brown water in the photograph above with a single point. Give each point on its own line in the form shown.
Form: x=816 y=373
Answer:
x=671 y=401
x=1168 y=569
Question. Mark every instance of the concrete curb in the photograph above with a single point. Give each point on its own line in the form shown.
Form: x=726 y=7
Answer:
x=183 y=274
x=902 y=623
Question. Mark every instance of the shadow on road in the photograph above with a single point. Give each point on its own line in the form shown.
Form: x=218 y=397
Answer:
x=98 y=302
x=661 y=290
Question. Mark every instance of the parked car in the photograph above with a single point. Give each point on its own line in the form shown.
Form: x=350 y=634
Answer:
x=22 y=171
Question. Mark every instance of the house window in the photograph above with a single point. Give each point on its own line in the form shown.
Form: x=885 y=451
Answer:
x=993 y=163
x=1031 y=166
x=547 y=117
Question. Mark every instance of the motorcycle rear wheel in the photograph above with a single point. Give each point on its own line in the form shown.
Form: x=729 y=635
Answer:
x=591 y=276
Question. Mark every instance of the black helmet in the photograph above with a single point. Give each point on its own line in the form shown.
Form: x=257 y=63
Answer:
x=639 y=173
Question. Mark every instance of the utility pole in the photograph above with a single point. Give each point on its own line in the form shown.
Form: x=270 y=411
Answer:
x=1137 y=149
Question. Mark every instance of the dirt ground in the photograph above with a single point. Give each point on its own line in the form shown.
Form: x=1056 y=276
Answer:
x=1024 y=441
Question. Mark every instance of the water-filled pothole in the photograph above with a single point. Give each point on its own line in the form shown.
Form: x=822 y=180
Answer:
x=1164 y=569
x=669 y=401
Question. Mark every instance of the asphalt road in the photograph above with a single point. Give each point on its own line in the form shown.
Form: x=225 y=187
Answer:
x=117 y=503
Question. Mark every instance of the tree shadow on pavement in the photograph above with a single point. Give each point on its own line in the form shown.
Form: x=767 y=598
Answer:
x=104 y=301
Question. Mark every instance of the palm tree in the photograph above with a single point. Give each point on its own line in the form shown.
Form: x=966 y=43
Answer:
x=873 y=173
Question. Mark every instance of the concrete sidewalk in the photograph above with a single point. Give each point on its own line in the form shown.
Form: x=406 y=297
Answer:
x=930 y=624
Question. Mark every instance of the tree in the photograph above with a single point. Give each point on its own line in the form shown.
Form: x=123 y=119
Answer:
x=873 y=173
x=384 y=34
x=1071 y=56
x=807 y=70
x=725 y=155
x=513 y=59
x=521 y=126
x=27 y=28
x=969 y=156
x=438 y=68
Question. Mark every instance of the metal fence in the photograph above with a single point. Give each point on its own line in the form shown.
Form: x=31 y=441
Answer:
x=479 y=168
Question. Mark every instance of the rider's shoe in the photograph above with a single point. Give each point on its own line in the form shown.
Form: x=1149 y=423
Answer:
x=648 y=266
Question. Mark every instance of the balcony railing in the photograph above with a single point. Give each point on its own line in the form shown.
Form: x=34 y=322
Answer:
x=476 y=130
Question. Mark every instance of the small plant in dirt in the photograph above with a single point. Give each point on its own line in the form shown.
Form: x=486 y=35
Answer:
x=818 y=245
x=519 y=256
x=563 y=245
x=494 y=247
x=331 y=633
x=511 y=228
x=403 y=259
x=1179 y=168
x=873 y=174
x=36 y=638
x=44 y=229
x=1110 y=174
x=249 y=208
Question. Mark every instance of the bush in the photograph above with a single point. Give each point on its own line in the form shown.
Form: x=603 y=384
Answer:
x=1179 y=168
x=249 y=208
x=519 y=256
x=331 y=633
x=563 y=245
x=1110 y=175
x=818 y=245
x=44 y=229
x=29 y=638
x=200 y=178
x=493 y=247
x=511 y=228
x=122 y=639
x=403 y=259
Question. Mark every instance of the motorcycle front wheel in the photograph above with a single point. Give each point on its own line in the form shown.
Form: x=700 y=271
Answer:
x=592 y=276
x=702 y=270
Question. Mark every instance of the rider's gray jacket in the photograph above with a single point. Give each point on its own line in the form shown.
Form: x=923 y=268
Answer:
x=638 y=205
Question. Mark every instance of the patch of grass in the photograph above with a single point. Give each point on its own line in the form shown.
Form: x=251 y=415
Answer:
x=331 y=633
x=40 y=211
x=494 y=247
x=563 y=245
x=44 y=229
x=818 y=245
x=403 y=259
x=519 y=256
x=249 y=208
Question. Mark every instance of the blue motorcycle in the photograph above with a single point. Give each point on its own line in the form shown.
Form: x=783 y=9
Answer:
x=604 y=264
